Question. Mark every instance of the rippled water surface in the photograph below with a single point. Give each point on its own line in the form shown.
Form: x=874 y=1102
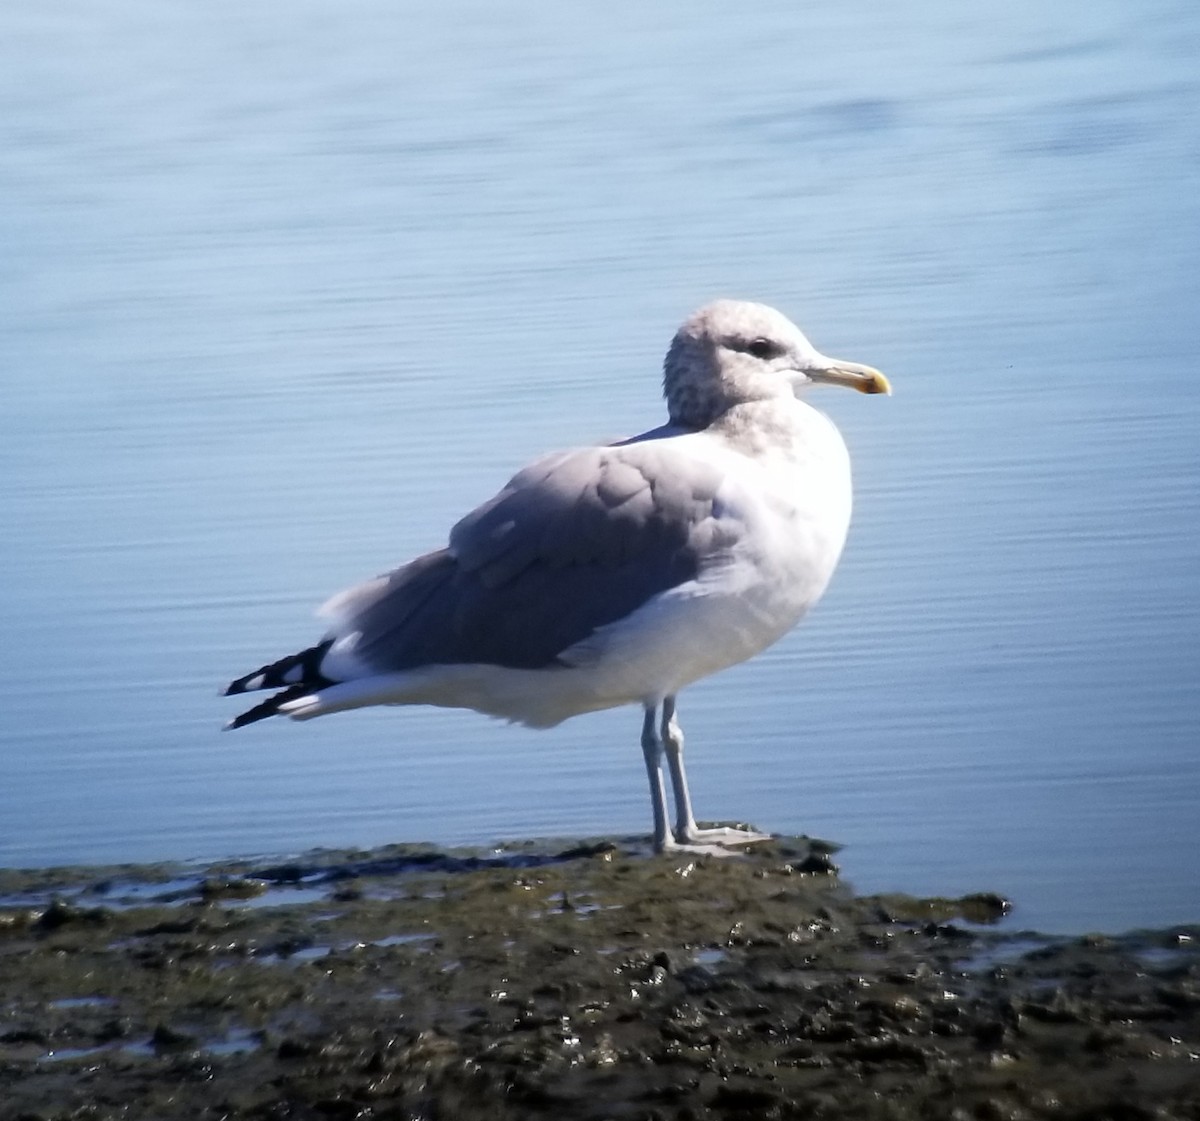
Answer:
x=285 y=289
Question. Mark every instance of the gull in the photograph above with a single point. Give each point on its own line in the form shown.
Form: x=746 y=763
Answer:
x=615 y=574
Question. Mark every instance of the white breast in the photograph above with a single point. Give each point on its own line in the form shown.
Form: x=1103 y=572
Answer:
x=788 y=509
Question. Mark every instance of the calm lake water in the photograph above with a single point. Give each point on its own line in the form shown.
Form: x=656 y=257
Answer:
x=287 y=288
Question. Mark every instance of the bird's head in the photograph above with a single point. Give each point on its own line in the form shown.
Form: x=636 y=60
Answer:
x=733 y=351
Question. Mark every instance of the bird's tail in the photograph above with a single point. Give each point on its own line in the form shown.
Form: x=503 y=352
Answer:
x=297 y=675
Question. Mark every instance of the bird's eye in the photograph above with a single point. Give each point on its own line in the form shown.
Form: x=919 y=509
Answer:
x=765 y=349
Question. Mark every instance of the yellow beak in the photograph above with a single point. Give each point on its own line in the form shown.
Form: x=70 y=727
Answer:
x=866 y=379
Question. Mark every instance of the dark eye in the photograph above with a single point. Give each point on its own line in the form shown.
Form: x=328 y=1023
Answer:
x=765 y=349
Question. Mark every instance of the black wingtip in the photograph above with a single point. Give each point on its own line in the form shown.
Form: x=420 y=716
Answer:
x=251 y=716
x=241 y=685
x=269 y=707
x=303 y=668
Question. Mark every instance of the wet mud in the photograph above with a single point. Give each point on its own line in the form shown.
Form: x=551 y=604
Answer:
x=586 y=981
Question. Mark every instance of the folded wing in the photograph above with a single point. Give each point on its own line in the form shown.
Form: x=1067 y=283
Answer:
x=573 y=542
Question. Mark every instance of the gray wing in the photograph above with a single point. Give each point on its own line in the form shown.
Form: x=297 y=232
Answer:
x=573 y=542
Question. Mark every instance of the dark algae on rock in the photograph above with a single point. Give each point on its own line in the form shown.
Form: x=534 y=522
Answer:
x=589 y=982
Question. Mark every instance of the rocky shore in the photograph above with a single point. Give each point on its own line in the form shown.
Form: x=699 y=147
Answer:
x=588 y=981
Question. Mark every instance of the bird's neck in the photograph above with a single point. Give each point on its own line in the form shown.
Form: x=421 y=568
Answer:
x=780 y=427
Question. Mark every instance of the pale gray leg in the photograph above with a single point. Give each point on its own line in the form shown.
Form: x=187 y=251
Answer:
x=672 y=738
x=686 y=831
x=652 y=752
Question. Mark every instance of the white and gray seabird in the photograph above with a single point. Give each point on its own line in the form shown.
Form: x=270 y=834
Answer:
x=612 y=575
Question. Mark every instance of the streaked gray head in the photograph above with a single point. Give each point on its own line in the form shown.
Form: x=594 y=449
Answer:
x=733 y=351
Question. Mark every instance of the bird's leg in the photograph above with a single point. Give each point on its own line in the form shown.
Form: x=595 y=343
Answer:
x=686 y=830
x=672 y=739
x=652 y=751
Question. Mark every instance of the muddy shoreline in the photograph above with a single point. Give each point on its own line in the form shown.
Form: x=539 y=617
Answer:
x=587 y=981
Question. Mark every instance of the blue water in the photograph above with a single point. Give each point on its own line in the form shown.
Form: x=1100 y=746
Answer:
x=286 y=288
